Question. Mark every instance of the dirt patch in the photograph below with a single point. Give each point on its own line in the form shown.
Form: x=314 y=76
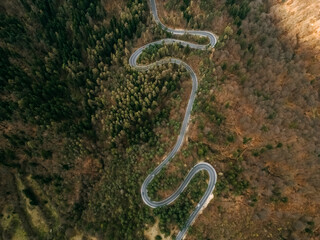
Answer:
x=33 y=211
x=153 y=231
x=80 y=236
x=113 y=7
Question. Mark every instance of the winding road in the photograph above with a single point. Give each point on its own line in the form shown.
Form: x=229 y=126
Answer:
x=200 y=166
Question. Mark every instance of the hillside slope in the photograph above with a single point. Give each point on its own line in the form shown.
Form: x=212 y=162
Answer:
x=299 y=22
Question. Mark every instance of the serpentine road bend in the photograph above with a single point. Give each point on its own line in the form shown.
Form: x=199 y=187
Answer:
x=200 y=166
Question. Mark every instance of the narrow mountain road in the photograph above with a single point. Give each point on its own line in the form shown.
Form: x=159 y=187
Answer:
x=200 y=166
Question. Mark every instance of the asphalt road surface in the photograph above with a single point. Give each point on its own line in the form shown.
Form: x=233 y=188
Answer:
x=200 y=166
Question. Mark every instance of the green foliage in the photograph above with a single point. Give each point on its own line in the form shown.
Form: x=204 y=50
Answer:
x=310 y=228
x=6 y=156
x=207 y=5
x=253 y=199
x=186 y=12
x=119 y=199
x=269 y=146
x=158 y=51
x=277 y=196
x=202 y=150
x=13 y=30
x=55 y=57
x=238 y=10
x=132 y=116
x=46 y=154
x=178 y=212
x=232 y=179
x=279 y=145
x=6 y=109
x=44 y=92
x=162 y=181
x=183 y=7
x=246 y=140
x=264 y=128
x=257 y=152
x=31 y=195
x=210 y=111
x=272 y=115
x=224 y=66
x=158 y=237
x=211 y=137
x=231 y=138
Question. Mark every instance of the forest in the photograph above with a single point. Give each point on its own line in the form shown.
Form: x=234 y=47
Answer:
x=81 y=129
